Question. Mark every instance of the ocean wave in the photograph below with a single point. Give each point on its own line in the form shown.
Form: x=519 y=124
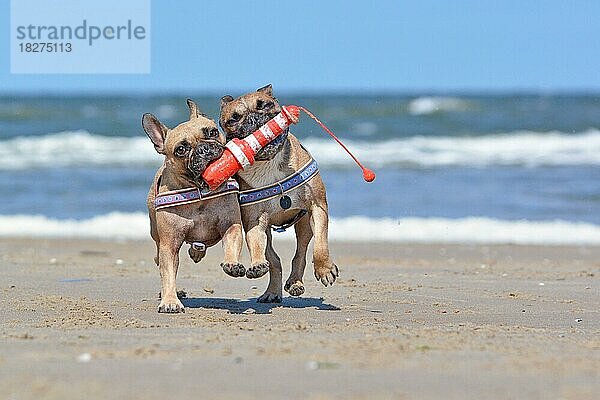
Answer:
x=526 y=148
x=430 y=105
x=75 y=148
x=119 y=225
x=523 y=148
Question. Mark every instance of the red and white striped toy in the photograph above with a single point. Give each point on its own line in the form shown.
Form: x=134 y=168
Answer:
x=239 y=153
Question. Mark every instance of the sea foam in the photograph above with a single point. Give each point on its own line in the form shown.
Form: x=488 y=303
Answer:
x=524 y=148
x=75 y=148
x=429 y=105
x=119 y=225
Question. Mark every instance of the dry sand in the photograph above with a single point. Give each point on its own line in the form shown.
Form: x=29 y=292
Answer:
x=79 y=320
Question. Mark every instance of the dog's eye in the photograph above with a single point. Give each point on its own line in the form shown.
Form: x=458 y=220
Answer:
x=263 y=105
x=182 y=149
x=235 y=117
x=212 y=133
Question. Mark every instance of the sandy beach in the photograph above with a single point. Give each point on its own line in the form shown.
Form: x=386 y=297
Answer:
x=460 y=150
x=79 y=320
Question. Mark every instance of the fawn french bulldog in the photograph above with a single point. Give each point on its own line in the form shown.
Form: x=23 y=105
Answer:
x=200 y=218
x=304 y=206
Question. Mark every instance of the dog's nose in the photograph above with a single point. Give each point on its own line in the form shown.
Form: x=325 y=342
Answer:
x=208 y=150
x=203 y=154
x=255 y=118
x=202 y=150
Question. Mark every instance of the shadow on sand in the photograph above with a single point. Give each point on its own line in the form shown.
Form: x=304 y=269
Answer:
x=235 y=306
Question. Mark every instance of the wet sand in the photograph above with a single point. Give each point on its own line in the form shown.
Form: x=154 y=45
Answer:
x=432 y=321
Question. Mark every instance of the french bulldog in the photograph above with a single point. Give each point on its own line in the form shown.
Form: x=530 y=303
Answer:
x=279 y=159
x=188 y=149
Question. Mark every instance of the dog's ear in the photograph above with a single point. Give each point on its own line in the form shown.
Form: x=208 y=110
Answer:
x=226 y=99
x=268 y=90
x=156 y=131
x=194 y=110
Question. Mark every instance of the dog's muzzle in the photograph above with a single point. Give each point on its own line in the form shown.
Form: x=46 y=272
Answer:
x=204 y=154
x=254 y=121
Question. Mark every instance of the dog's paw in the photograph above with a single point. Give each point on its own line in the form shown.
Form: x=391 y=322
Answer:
x=294 y=288
x=171 y=306
x=327 y=274
x=196 y=255
x=257 y=270
x=269 y=297
x=234 y=269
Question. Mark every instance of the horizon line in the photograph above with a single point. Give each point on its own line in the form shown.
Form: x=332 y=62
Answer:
x=309 y=92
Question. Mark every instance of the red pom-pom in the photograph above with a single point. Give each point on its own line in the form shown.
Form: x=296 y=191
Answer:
x=368 y=175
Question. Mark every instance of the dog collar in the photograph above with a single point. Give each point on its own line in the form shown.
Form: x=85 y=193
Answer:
x=293 y=181
x=191 y=195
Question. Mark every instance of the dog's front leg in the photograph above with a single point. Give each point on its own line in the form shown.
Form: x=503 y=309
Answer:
x=256 y=239
x=325 y=270
x=233 y=240
x=168 y=263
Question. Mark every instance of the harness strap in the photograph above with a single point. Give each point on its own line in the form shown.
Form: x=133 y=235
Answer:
x=297 y=179
x=292 y=222
x=191 y=195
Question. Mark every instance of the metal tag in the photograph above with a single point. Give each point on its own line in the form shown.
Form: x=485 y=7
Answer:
x=285 y=202
x=199 y=246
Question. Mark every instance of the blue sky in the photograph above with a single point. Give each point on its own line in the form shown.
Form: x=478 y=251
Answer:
x=353 y=46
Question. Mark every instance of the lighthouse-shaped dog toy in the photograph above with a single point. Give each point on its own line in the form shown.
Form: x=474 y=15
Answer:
x=239 y=153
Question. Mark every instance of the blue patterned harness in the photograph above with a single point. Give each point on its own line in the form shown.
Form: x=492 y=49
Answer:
x=293 y=181
x=192 y=195
x=246 y=197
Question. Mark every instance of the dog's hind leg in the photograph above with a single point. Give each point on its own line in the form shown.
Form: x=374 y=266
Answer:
x=325 y=270
x=154 y=235
x=157 y=253
x=273 y=293
x=294 y=284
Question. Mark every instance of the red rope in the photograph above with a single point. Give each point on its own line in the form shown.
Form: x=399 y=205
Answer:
x=368 y=174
